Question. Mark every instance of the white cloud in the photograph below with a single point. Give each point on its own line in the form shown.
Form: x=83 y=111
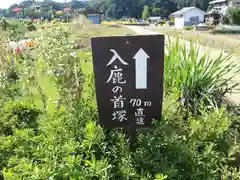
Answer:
x=7 y=3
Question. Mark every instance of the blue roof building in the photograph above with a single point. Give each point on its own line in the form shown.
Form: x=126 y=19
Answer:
x=94 y=18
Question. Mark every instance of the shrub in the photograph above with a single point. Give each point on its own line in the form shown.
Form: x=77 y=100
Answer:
x=66 y=69
x=70 y=145
x=18 y=115
x=31 y=26
x=4 y=24
x=9 y=77
x=188 y=27
x=171 y=21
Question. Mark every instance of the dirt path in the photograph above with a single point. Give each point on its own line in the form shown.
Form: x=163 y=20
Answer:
x=214 y=53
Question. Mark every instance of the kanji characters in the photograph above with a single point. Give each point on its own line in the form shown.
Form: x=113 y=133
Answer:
x=140 y=121
x=119 y=115
x=117 y=89
x=115 y=57
x=118 y=102
x=116 y=76
x=139 y=112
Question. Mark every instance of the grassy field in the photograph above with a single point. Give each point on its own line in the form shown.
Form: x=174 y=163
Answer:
x=223 y=42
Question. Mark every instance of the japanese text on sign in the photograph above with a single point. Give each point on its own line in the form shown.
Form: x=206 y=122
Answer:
x=128 y=72
x=117 y=79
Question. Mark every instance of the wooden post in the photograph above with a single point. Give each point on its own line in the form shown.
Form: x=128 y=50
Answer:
x=131 y=132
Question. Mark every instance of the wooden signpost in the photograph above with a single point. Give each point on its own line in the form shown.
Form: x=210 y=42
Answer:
x=128 y=74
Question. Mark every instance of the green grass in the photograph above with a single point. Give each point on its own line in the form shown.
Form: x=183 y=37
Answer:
x=87 y=31
x=222 y=43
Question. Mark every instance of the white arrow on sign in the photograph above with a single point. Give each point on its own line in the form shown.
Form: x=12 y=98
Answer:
x=141 y=69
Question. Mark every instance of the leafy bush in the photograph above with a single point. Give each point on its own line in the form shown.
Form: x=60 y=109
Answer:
x=18 y=116
x=70 y=145
x=66 y=69
x=9 y=77
x=171 y=21
x=4 y=24
x=17 y=29
x=31 y=27
x=188 y=27
x=162 y=22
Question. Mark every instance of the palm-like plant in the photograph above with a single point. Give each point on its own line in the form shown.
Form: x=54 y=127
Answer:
x=198 y=77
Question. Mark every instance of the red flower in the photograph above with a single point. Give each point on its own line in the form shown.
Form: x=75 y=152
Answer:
x=18 y=50
x=17 y=10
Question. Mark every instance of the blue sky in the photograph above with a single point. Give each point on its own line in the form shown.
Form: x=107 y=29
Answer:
x=7 y=3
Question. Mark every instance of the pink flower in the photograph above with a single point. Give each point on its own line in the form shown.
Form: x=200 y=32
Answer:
x=17 y=50
x=17 y=10
x=66 y=10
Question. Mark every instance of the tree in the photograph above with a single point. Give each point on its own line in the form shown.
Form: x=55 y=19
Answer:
x=203 y=4
x=118 y=8
x=234 y=15
x=75 y=4
x=109 y=12
x=156 y=11
x=167 y=7
x=146 y=13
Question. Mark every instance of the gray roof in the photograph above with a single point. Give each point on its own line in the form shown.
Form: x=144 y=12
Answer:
x=217 y=1
x=184 y=10
x=155 y=18
x=222 y=1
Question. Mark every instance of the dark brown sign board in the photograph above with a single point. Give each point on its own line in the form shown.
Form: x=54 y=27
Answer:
x=128 y=74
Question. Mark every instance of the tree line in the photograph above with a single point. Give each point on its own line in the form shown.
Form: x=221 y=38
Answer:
x=134 y=8
x=116 y=8
x=28 y=7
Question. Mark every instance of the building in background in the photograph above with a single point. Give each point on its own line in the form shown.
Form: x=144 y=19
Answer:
x=94 y=18
x=93 y=15
x=188 y=16
x=218 y=9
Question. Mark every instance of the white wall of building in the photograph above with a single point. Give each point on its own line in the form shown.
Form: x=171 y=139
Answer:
x=193 y=13
x=189 y=18
x=179 y=22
